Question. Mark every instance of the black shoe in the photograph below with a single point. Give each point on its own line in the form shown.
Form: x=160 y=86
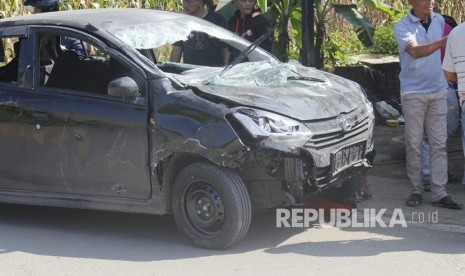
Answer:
x=414 y=200
x=448 y=202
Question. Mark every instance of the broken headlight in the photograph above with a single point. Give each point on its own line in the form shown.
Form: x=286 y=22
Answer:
x=273 y=128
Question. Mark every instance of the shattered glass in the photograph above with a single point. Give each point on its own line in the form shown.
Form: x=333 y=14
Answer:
x=256 y=74
x=249 y=74
x=151 y=35
x=144 y=36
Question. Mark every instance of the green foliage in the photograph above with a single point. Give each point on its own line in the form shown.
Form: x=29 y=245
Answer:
x=296 y=21
x=363 y=27
x=384 y=41
x=263 y=5
x=344 y=46
x=347 y=42
x=281 y=12
x=10 y=8
x=381 y=6
x=294 y=54
x=339 y=51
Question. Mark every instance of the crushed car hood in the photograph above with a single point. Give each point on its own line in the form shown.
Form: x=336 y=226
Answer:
x=290 y=89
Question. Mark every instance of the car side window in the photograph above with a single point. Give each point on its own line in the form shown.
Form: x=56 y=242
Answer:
x=9 y=53
x=73 y=64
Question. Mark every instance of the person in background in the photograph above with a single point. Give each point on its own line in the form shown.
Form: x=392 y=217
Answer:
x=420 y=36
x=42 y=6
x=454 y=68
x=453 y=111
x=249 y=23
x=199 y=48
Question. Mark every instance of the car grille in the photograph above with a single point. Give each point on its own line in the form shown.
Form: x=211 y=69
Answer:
x=332 y=135
x=329 y=137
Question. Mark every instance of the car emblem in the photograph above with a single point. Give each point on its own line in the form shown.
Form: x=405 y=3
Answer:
x=344 y=122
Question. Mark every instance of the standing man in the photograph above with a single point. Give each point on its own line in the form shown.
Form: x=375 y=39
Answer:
x=42 y=6
x=199 y=48
x=424 y=98
x=453 y=112
x=454 y=67
x=249 y=23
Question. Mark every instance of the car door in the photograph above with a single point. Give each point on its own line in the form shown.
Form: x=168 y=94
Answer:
x=105 y=148
x=30 y=123
x=80 y=141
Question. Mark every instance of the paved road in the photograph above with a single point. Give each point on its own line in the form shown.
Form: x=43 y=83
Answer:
x=52 y=241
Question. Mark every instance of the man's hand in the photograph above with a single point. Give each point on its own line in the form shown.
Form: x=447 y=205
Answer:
x=450 y=76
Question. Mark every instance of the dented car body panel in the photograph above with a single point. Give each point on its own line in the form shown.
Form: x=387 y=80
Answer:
x=61 y=143
x=288 y=131
x=256 y=84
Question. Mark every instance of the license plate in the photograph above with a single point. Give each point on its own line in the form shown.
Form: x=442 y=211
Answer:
x=347 y=156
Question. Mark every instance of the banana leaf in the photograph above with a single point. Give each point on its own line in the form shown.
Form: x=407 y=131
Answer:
x=381 y=6
x=363 y=27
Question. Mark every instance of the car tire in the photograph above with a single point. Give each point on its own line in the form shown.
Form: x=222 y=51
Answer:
x=397 y=147
x=211 y=205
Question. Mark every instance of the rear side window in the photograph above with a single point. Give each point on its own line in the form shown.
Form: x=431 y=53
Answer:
x=9 y=56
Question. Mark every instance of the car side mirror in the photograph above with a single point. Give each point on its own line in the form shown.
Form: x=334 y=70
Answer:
x=124 y=87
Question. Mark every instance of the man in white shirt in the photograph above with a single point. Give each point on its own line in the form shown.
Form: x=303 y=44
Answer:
x=424 y=98
x=454 y=67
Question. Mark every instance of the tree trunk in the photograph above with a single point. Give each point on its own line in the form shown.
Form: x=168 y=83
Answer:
x=308 y=33
x=319 y=51
x=283 y=40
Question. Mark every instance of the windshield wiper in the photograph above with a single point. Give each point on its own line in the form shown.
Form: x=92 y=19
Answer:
x=304 y=78
x=248 y=50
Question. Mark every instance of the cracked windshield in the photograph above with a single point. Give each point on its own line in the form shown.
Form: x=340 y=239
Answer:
x=163 y=48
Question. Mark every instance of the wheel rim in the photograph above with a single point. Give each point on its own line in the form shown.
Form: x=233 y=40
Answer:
x=204 y=207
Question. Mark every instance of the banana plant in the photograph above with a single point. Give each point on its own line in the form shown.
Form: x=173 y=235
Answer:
x=287 y=13
x=283 y=12
x=363 y=26
x=9 y=8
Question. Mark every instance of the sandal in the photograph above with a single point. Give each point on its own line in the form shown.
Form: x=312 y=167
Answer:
x=414 y=200
x=447 y=202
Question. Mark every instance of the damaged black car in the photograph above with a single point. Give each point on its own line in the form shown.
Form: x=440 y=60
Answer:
x=117 y=126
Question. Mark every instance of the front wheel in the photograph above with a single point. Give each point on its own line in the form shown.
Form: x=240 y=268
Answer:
x=211 y=205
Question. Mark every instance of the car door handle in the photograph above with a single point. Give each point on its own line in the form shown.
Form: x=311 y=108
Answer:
x=39 y=118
